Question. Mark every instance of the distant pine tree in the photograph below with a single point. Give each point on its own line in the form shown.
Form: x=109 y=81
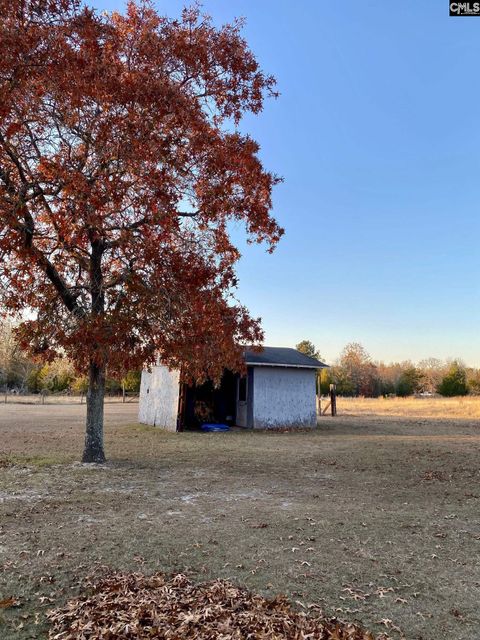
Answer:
x=410 y=382
x=309 y=349
x=454 y=383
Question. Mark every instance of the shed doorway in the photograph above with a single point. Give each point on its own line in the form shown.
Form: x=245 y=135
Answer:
x=199 y=404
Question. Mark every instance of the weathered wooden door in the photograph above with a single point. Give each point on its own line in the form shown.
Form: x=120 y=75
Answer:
x=159 y=393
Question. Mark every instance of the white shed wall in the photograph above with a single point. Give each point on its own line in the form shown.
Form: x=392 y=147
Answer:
x=159 y=392
x=283 y=397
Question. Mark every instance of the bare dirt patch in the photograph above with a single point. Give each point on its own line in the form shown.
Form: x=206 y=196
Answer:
x=374 y=519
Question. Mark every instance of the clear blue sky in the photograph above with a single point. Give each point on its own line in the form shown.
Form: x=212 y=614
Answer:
x=377 y=136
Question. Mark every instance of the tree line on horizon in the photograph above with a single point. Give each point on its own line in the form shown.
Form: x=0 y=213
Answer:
x=21 y=373
x=355 y=373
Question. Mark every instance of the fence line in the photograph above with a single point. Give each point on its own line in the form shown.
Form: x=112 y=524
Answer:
x=12 y=397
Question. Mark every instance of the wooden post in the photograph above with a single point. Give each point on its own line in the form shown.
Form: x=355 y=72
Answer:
x=333 y=399
x=319 y=393
x=6 y=395
x=123 y=392
x=182 y=395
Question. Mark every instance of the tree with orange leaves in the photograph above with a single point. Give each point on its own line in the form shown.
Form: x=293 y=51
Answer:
x=121 y=165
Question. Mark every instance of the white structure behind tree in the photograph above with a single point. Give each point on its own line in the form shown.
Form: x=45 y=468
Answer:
x=279 y=390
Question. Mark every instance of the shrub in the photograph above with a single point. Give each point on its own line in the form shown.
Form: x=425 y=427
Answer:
x=409 y=382
x=454 y=383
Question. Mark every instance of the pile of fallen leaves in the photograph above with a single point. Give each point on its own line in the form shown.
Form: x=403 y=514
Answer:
x=138 y=606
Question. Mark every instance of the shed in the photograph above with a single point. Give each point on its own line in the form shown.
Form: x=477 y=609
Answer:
x=279 y=390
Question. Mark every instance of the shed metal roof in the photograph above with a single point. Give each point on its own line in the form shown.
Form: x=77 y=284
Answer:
x=282 y=357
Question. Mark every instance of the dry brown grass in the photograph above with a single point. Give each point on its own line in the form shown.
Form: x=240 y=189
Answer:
x=435 y=407
x=370 y=518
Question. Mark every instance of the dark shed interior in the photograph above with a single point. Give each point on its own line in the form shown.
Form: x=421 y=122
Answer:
x=204 y=403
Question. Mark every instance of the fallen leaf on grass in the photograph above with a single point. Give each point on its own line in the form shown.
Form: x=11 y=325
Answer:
x=9 y=603
x=432 y=475
x=356 y=594
x=385 y=621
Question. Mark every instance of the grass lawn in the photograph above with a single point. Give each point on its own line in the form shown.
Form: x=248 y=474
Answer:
x=375 y=518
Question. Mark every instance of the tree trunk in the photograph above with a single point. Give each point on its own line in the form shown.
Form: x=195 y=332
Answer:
x=93 y=451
